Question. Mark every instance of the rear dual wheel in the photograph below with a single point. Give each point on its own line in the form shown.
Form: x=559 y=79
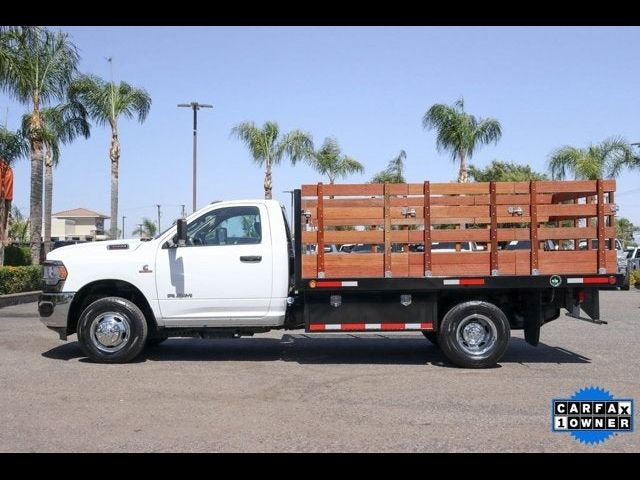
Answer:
x=474 y=334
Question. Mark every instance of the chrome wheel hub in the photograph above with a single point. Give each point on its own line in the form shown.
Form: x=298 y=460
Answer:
x=476 y=334
x=110 y=331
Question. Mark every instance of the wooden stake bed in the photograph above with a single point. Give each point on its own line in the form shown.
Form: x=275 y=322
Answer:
x=400 y=226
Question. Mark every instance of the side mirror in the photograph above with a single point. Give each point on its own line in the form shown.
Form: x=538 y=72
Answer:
x=221 y=236
x=181 y=235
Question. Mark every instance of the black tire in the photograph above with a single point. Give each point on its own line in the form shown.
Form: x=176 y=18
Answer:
x=155 y=340
x=128 y=334
x=486 y=338
x=431 y=336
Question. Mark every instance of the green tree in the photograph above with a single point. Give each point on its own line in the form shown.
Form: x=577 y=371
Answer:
x=460 y=133
x=13 y=145
x=625 y=231
x=60 y=125
x=146 y=230
x=499 y=171
x=37 y=68
x=605 y=159
x=394 y=173
x=267 y=147
x=106 y=102
x=330 y=161
x=18 y=227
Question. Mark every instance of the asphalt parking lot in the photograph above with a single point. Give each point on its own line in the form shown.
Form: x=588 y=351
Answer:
x=323 y=392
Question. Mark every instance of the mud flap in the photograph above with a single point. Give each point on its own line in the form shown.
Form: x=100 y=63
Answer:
x=533 y=319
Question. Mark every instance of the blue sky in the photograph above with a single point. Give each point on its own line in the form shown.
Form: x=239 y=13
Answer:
x=368 y=87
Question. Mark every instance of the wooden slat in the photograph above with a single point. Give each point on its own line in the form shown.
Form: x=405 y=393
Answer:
x=568 y=210
x=571 y=233
x=494 y=229
x=533 y=226
x=575 y=186
x=320 y=223
x=612 y=224
x=415 y=202
x=426 y=256
x=602 y=259
x=459 y=188
x=387 y=232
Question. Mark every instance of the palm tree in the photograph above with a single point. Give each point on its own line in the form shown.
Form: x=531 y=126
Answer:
x=394 y=171
x=330 y=161
x=13 y=145
x=595 y=161
x=268 y=148
x=147 y=229
x=460 y=132
x=37 y=67
x=106 y=102
x=61 y=125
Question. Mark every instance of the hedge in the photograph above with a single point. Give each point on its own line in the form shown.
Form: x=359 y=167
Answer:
x=20 y=279
x=17 y=256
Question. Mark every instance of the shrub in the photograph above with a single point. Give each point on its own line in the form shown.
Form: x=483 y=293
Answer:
x=17 y=256
x=634 y=278
x=20 y=279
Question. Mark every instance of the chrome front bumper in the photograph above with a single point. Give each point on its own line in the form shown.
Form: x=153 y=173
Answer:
x=54 y=311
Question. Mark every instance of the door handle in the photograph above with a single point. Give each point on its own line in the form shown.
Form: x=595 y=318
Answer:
x=251 y=258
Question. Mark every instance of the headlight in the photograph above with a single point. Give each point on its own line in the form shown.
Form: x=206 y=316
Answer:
x=53 y=271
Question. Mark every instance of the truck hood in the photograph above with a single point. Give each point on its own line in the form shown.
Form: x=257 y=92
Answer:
x=109 y=247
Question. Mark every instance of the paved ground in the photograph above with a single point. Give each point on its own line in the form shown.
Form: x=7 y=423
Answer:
x=290 y=392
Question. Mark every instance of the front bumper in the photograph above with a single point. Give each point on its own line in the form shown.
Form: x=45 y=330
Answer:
x=54 y=311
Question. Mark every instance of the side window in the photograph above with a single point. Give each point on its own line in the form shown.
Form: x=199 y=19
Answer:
x=226 y=226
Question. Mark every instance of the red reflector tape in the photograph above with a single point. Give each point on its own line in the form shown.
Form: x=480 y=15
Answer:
x=595 y=280
x=328 y=284
x=392 y=326
x=335 y=283
x=362 y=327
x=472 y=281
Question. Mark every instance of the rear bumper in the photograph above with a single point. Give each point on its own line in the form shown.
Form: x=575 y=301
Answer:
x=54 y=311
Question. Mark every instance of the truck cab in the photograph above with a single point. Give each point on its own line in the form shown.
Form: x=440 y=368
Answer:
x=231 y=270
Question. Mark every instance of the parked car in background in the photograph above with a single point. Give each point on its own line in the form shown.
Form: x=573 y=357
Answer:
x=328 y=248
x=64 y=243
x=446 y=247
x=346 y=248
x=549 y=245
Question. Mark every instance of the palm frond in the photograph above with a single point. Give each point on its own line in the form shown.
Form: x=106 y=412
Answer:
x=297 y=145
x=563 y=160
x=13 y=145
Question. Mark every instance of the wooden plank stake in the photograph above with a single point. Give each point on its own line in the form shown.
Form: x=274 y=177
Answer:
x=320 y=214
x=387 y=233
x=533 y=228
x=427 y=229
x=602 y=258
x=612 y=223
x=494 y=229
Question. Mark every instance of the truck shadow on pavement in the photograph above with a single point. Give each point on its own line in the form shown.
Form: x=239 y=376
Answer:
x=323 y=349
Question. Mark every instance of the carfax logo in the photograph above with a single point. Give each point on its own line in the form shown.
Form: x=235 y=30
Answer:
x=592 y=415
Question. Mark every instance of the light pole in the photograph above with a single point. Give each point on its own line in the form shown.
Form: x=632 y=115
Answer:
x=159 y=229
x=123 y=217
x=195 y=106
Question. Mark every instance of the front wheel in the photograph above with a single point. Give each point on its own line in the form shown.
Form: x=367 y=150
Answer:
x=112 y=330
x=474 y=334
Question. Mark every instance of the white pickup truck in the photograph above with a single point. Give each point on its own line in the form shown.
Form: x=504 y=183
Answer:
x=233 y=269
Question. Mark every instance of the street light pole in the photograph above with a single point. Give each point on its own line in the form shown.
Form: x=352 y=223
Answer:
x=195 y=106
x=159 y=229
x=123 y=217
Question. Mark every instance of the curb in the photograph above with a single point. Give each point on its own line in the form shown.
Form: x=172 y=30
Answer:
x=19 y=298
